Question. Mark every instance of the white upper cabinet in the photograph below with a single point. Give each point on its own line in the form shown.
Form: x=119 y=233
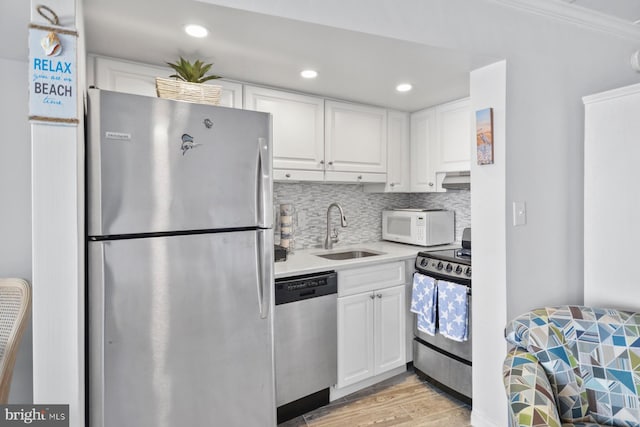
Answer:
x=453 y=145
x=398 y=156
x=298 y=129
x=355 y=140
x=398 y=149
x=423 y=135
x=140 y=79
x=440 y=143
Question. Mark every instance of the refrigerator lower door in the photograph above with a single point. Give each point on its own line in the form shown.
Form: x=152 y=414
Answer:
x=181 y=331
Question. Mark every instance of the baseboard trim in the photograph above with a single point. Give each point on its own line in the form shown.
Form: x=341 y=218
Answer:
x=337 y=393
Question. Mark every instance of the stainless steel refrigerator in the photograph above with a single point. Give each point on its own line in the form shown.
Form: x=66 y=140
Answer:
x=180 y=264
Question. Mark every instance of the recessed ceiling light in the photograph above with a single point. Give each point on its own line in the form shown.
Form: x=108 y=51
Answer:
x=309 y=74
x=196 y=30
x=404 y=87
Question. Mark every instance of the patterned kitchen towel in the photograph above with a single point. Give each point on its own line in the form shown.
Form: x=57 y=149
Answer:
x=453 y=311
x=423 y=302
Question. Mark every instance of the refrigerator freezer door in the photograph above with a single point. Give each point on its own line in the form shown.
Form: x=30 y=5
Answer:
x=156 y=165
x=176 y=332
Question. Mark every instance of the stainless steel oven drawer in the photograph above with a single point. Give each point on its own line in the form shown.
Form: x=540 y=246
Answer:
x=444 y=369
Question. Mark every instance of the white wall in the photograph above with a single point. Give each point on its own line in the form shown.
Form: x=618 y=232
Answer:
x=15 y=205
x=57 y=155
x=488 y=90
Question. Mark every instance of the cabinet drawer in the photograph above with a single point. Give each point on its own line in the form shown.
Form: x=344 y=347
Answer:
x=355 y=177
x=284 y=175
x=365 y=279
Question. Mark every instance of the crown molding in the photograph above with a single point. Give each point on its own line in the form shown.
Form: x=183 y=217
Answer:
x=612 y=94
x=577 y=15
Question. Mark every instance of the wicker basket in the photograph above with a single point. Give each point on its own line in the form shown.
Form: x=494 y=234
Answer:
x=184 y=91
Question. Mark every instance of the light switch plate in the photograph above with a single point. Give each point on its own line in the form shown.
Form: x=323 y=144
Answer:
x=519 y=213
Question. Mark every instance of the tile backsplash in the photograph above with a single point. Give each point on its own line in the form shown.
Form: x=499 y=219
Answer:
x=363 y=210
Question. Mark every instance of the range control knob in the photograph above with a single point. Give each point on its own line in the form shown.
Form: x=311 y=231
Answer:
x=468 y=272
x=424 y=262
x=449 y=268
x=458 y=269
x=440 y=266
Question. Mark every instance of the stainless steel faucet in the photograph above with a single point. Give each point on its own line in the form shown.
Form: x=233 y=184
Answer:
x=333 y=238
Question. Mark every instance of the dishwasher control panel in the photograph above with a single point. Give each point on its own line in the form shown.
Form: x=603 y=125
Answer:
x=298 y=288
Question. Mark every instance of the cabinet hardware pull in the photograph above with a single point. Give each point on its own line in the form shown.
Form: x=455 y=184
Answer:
x=431 y=184
x=379 y=295
x=330 y=163
x=392 y=184
x=359 y=176
x=322 y=162
x=372 y=296
x=288 y=175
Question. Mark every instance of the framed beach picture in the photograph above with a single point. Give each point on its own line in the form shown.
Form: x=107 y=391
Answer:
x=484 y=136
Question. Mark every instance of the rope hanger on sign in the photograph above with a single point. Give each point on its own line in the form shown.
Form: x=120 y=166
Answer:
x=48 y=14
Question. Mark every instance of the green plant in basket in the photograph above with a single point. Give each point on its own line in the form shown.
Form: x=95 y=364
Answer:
x=193 y=73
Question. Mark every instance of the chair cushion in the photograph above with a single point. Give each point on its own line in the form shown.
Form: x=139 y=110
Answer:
x=592 y=359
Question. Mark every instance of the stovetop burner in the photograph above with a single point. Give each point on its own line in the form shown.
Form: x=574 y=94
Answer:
x=460 y=256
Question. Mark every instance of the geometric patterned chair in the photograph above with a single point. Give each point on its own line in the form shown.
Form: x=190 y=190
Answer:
x=573 y=366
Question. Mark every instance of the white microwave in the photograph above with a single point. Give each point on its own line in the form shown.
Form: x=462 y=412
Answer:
x=423 y=227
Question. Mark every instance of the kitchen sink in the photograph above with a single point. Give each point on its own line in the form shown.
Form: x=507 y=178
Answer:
x=356 y=253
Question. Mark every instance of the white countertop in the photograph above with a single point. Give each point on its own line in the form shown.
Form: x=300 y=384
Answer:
x=305 y=261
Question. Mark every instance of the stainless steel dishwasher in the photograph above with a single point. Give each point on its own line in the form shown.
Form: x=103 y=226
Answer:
x=305 y=342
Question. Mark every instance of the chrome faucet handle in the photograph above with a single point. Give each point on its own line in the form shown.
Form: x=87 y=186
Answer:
x=334 y=235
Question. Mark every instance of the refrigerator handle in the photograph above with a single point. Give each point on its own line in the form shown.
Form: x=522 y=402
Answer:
x=265 y=272
x=265 y=185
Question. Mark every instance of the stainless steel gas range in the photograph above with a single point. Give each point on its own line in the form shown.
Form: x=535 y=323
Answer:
x=439 y=359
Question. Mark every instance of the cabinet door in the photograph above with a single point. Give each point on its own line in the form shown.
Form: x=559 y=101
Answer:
x=453 y=148
x=140 y=79
x=355 y=338
x=356 y=138
x=298 y=127
x=389 y=327
x=398 y=146
x=423 y=135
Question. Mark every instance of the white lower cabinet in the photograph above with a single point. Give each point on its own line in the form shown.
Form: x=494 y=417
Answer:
x=372 y=314
x=355 y=338
x=389 y=329
x=371 y=334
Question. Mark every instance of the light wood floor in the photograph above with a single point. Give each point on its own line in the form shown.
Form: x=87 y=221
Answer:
x=404 y=400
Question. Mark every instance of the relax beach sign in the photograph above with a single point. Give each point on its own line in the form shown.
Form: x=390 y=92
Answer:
x=52 y=74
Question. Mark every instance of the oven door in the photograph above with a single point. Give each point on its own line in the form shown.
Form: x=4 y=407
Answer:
x=445 y=361
x=461 y=350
